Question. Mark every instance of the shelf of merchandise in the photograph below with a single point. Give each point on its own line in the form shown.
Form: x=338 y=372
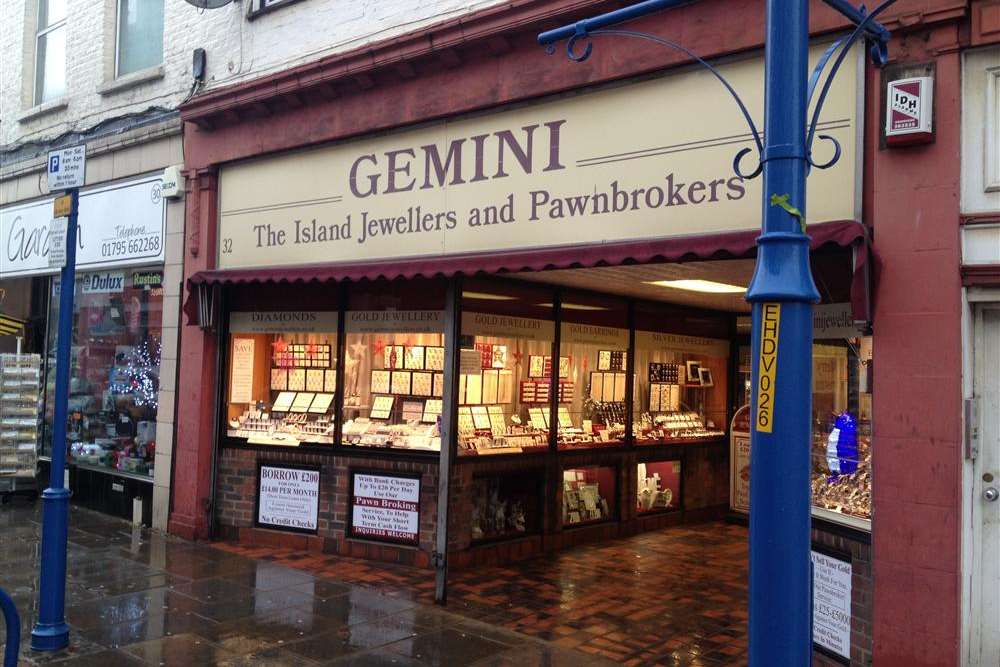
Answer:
x=20 y=381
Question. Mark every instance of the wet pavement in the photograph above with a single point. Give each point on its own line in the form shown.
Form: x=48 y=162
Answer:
x=134 y=597
x=676 y=596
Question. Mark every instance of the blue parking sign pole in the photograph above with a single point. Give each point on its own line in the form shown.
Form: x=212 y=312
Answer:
x=51 y=632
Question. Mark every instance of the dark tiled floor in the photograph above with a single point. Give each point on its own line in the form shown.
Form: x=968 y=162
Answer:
x=672 y=597
x=138 y=598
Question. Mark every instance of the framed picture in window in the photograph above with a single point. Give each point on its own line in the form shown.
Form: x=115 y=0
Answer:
x=415 y=357
x=400 y=382
x=536 y=366
x=692 y=373
x=705 y=377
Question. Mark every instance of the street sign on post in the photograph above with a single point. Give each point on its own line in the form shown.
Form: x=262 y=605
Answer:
x=51 y=632
x=67 y=167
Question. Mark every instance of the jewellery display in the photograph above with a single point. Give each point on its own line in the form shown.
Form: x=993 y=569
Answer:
x=400 y=382
x=674 y=425
x=279 y=379
x=657 y=486
x=414 y=357
x=582 y=498
x=297 y=379
x=314 y=380
x=380 y=382
x=847 y=493
x=422 y=384
x=434 y=358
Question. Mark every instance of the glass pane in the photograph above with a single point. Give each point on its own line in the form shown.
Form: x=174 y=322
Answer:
x=588 y=495
x=282 y=377
x=506 y=369
x=594 y=341
x=681 y=389
x=115 y=372
x=394 y=366
x=658 y=486
x=140 y=35
x=50 y=12
x=50 y=66
x=507 y=506
x=842 y=427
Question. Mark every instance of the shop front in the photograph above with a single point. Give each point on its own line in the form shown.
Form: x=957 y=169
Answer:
x=509 y=331
x=117 y=338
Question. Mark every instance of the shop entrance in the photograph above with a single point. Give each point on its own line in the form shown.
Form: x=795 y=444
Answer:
x=985 y=588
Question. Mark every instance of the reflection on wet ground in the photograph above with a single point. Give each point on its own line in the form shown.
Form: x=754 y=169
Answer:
x=672 y=597
x=134 y=597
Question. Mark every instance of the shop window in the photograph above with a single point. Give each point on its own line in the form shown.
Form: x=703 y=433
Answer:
x=506 y=506
x=588 y=495
x=282 y=376
x=658 y=486
x=115 y=370
x=507 y=373
x=394 y=366
x=594 y=340
x=842 y=427
x=681 y=382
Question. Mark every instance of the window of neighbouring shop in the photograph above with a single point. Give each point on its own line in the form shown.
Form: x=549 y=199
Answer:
x=115 y=370
x=589 y=495
x=394 y=368
x=507 y=375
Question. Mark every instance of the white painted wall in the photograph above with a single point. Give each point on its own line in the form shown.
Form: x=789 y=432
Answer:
x=238 y=49
x=981 y=131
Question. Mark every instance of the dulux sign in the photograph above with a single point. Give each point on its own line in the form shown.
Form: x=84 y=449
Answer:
x=119 y=225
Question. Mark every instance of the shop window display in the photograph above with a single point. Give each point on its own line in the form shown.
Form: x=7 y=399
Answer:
x=506 y=370
x=394 y=368
x=594 y=340
x=282 y=377
x=658 y=486
x=588 y=495
x=681 y=385
x=841 y=453
x=115 y=370
x=505 y=506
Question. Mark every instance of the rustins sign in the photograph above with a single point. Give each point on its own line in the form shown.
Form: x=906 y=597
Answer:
x=908 y=111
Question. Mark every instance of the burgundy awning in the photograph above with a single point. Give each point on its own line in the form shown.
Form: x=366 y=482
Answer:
x=729 y=245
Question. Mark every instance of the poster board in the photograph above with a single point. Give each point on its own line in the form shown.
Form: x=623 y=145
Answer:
x=287 y=497
x=241 y=371
x=739 y=461
x=385 y=507
x=832 y=604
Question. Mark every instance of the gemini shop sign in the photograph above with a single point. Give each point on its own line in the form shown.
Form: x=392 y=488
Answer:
x=385 y=507
x=597 y=167
x=288 y=498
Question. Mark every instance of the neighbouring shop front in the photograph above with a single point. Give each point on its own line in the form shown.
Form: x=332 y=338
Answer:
x=117 y=337
x=511 y=332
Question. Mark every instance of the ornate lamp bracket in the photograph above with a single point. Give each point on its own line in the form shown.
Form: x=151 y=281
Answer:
x=580 y=46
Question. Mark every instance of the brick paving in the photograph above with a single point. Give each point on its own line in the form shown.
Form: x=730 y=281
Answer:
x=139 y=598
x=671 y=597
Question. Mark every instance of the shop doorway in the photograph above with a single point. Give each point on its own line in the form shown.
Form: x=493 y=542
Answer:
x=984 y=647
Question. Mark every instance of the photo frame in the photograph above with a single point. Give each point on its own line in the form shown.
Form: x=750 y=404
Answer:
x=705 y=377
x=692 y=373
x=536 y=366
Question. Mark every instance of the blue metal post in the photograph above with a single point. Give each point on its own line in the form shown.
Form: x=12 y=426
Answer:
x=782 y=293
x=51 y=632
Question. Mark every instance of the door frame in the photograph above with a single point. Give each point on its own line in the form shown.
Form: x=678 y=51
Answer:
x=975 y=301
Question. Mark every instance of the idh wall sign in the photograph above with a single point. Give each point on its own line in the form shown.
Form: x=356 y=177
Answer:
x=909 y=111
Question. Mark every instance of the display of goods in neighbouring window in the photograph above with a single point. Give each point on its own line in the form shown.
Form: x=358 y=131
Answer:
x=20 y=379
x=500 y=508
x=674 y=425
x=850 y=493
x=584 y=499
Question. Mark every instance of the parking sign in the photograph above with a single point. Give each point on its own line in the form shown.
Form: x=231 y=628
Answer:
x=67 y=167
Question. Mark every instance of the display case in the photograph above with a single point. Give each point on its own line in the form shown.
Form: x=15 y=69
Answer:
x=842 y=429
x=506 y=506
x=658 y=487
x=588 y=495
x=507 y=376
x=282 y=378
x=681 y=388
x=394 y=368
x=594 y=341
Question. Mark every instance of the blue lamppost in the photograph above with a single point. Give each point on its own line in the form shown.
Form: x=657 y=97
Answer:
x=782 y=295
x=51 y=632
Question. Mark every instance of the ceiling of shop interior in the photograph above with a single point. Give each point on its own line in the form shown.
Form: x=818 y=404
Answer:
x=633 y=281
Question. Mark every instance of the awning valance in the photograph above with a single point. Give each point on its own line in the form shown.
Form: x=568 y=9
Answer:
x=730 y=245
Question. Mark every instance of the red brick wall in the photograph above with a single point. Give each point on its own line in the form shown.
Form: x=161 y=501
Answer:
x=237 y=488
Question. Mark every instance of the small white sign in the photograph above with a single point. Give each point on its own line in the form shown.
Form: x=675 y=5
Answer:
x=386 y=507
x=241 y=376
x=832 y=604
x=288 y=498
x=67 y=167
x=57 y=243
x=283 y=322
